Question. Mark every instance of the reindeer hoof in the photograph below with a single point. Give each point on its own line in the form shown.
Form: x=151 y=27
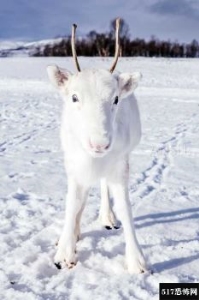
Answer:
x=71 y=265
x=58 y=265
x=108 y=227
x=117 y=227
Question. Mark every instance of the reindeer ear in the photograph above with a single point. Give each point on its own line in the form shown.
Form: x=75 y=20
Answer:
x=58 y=76
x=128 y=83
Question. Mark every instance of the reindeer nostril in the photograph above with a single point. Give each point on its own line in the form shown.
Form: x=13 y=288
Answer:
x=91 y=145
x=107 y=146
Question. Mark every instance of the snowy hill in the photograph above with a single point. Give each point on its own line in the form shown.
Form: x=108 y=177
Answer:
x=10 y=48
x=163 y=187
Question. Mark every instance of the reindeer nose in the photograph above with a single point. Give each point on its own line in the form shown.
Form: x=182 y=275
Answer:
x=98 y=147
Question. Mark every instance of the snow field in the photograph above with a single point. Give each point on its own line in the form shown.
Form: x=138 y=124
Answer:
x=163 y=186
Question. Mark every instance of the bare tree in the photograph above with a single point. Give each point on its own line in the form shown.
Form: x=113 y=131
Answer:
x=103 y=44
x=124 y=29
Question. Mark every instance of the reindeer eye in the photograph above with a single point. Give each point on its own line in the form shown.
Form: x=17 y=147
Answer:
x=116 y=100
x=74 y=98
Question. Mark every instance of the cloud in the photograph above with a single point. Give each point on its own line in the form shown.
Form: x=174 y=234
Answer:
x=49 y=18
x=40 y=19
x=187 y=8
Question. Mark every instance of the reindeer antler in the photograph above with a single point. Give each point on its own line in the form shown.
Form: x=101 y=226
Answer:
x=117 y=45
x=73 y=47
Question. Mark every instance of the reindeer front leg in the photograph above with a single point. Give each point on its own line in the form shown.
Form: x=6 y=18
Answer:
x=76 y=198
x=106 y=215
x=134 y=257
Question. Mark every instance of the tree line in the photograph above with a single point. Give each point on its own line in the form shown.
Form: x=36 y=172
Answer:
x=103 y=44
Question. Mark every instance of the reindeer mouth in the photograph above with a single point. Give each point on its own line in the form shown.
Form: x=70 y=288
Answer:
x=94 y=151
x=98 y=151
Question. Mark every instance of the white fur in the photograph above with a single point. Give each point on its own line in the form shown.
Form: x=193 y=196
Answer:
x=97 y=137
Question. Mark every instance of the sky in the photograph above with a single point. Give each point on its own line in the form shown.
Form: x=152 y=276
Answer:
x=27 y=20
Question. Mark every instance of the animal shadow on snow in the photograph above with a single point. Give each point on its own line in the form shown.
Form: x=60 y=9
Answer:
x=173 y=263
x=170 y=217
x=167 y=217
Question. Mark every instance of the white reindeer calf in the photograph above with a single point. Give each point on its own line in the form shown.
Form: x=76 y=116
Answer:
x=100 y=127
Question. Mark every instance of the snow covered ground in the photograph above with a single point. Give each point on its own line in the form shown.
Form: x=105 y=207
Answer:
x=163 y=187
